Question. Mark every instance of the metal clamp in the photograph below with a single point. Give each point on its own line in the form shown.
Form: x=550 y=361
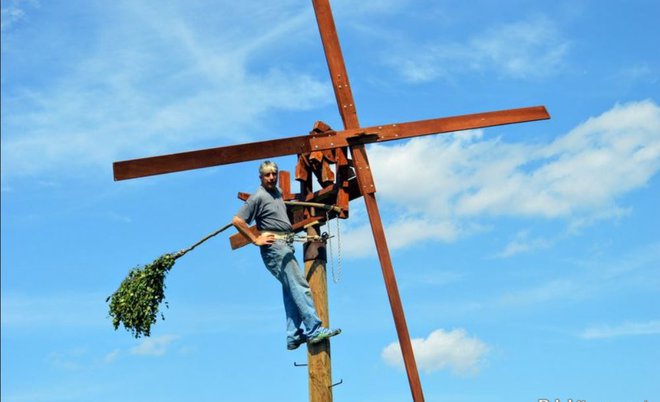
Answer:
x=307 y=238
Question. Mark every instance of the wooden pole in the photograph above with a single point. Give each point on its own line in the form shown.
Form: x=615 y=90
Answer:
x=318 y=355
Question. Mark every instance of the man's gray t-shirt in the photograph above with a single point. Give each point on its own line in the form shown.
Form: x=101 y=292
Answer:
x=267 y=209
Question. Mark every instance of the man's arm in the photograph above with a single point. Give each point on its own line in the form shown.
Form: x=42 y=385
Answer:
x=244 y=229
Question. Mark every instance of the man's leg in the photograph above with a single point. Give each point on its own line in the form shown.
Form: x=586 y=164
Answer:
x=294 y=282
x=298 y=302
x=294 y=334
x=302 y=296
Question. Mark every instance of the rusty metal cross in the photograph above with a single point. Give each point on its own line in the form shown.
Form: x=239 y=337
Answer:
x=352 y=137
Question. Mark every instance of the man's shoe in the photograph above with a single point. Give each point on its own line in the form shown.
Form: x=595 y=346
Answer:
x=295 y=344
x=321 y=334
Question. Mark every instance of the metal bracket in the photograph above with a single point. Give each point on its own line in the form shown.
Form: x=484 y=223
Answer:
x=337 y=383
x=362 y=138
x=299 y=364
x=362 y=170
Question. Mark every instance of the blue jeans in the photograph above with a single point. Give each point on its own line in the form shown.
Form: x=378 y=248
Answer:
x=298 y=303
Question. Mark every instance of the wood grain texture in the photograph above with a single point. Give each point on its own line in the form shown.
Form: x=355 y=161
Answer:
x=318 y=355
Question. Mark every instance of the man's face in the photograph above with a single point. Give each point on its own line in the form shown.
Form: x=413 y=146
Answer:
x=269 y=180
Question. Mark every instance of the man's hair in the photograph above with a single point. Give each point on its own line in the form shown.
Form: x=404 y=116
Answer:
x=267 y=166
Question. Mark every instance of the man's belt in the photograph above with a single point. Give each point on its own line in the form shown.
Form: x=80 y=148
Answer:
x=286 y=236
x=290 y=237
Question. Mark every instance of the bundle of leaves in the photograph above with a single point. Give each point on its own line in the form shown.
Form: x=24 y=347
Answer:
x=136 y=303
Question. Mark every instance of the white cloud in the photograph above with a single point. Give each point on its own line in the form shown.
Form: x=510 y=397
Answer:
x=155 y=346
x=57 y=392
x=437 y=278
x=69 y=360
x=523 y=243
x=13 y=11
x=564 y=289
x=65 y=311
x=119 y=217
x=539 y=48
x=597 y=277
x=638 y=74
x=368 y=8
x=109 y=105
x=441 y=186
x=625 y=329
x=453 y=350
x=539 y=51
x=472 y=177
x=112 y=356
x=358 y=241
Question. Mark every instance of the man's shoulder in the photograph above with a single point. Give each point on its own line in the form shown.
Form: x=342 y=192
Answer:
x=265 y=195
x=260 y=196
x=260 y=193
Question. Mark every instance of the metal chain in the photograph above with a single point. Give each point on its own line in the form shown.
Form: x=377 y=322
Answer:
x=336 y=274
x=329 y=248
x=335 y=280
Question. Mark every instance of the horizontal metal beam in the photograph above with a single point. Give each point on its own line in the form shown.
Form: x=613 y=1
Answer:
x=134 y=168
x=397 y=131
x=131 y=169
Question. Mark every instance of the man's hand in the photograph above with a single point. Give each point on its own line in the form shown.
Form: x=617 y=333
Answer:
x=264 y=239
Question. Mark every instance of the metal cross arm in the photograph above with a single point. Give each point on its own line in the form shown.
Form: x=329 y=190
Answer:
x=134 y=168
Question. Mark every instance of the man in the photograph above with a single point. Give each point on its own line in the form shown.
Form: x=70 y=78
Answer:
x=275 y=241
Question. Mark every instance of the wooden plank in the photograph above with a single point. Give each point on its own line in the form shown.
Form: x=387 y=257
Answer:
x=285 y=185
x=237 y=240
x=321 y=195
x=131 y=169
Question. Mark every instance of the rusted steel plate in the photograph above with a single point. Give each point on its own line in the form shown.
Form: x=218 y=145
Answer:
x=363 y=170
x=131 y=169
x=396 y=131
x=285 y=184
x=394 y=297
x=458 y=123
x=336 y=65
x=135 y=168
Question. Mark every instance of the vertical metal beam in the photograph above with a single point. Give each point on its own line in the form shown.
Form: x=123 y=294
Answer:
x=336 y=66
x=347 y=110
x=395 y=299
x=368 y=192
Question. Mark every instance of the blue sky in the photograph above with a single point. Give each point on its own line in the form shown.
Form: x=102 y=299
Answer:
x=527 y=256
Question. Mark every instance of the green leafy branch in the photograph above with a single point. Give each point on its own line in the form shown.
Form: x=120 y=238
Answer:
x=136 y=303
